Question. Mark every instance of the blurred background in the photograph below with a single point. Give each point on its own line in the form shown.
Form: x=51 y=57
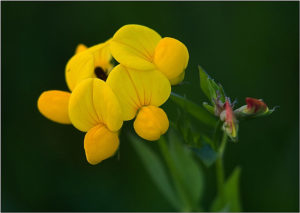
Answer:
x=252 y=48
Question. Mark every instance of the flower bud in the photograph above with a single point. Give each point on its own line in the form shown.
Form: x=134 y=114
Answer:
x=151 y=122
x=254 y=107
x=230 y=125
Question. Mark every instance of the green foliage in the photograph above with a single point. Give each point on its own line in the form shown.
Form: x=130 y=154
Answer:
x=195 y=110
x=204 y=82
x=186 y=175
x=229 y=199
x=208 y=107
x=199 y=141
x=210 y=88
x=156 y=170
x=206 y=154
x=188 y=170
x=184 y=125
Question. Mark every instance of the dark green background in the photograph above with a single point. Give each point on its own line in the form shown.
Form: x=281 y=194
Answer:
x=252 y=48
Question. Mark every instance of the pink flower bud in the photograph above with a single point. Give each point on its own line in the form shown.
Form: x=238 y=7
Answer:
x=230 y=125
x=255 y=107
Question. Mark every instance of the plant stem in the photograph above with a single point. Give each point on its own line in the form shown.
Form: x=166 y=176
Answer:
x=219 y=164
x=177 y=183
x=217 y=127
x=223 y=145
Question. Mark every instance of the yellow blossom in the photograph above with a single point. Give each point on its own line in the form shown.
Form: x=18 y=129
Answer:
x=141 y=48
x=141 y=94
x=94 y=108
x=93 y=62
x=86 y=63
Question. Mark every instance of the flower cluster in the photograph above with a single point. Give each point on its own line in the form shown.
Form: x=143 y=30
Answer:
x=103 y=96
x=254 y=108
x=223 y=108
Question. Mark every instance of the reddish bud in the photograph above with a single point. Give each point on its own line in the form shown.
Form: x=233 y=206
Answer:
x=230 y=125
x=255 y=107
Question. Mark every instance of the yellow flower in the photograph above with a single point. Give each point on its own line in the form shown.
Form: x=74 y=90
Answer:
x=141 y=48
x=93 y=62
x=141 y=94
x=86 y=63
x=94 y=108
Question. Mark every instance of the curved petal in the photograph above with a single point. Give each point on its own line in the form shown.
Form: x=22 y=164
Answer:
x=151 y=122
x=134 y=46
x=79 y=67
x=80 y=48
x=53 y=104
x=102 y=56
x=135 y=89
x=100 y=144
x=178 y=79
x=92 y=103
x=82 y=65
x=171 y=57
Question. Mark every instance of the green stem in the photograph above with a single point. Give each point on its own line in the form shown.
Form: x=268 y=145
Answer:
x=219 y=164
x=177 y=183
x=217 y=128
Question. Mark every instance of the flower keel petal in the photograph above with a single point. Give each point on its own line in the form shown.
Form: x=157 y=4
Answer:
x=151 y=122
x=100 y=143
x=171 y=57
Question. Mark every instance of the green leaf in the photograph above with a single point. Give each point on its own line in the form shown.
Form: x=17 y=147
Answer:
x=208 y=140
x=210 y=88
x=187 y=129
x=188 y=170
x=222 y=93
x=195 y=110
x=229 y=200
x=213 y=89
x=209 y=108
x=206 y=154
x=204 y=83
x=156 y=170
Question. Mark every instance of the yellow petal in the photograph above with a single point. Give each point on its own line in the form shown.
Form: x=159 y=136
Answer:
x=151 y=122
x=79 y=67
x=82 y=65
x=134 y=46
x=171 y=57
x=53 y=104
x=80 y=48
x=93 y=102
x=177 y=79
x=102 y=56
x=100 y=144
x=135 y=89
